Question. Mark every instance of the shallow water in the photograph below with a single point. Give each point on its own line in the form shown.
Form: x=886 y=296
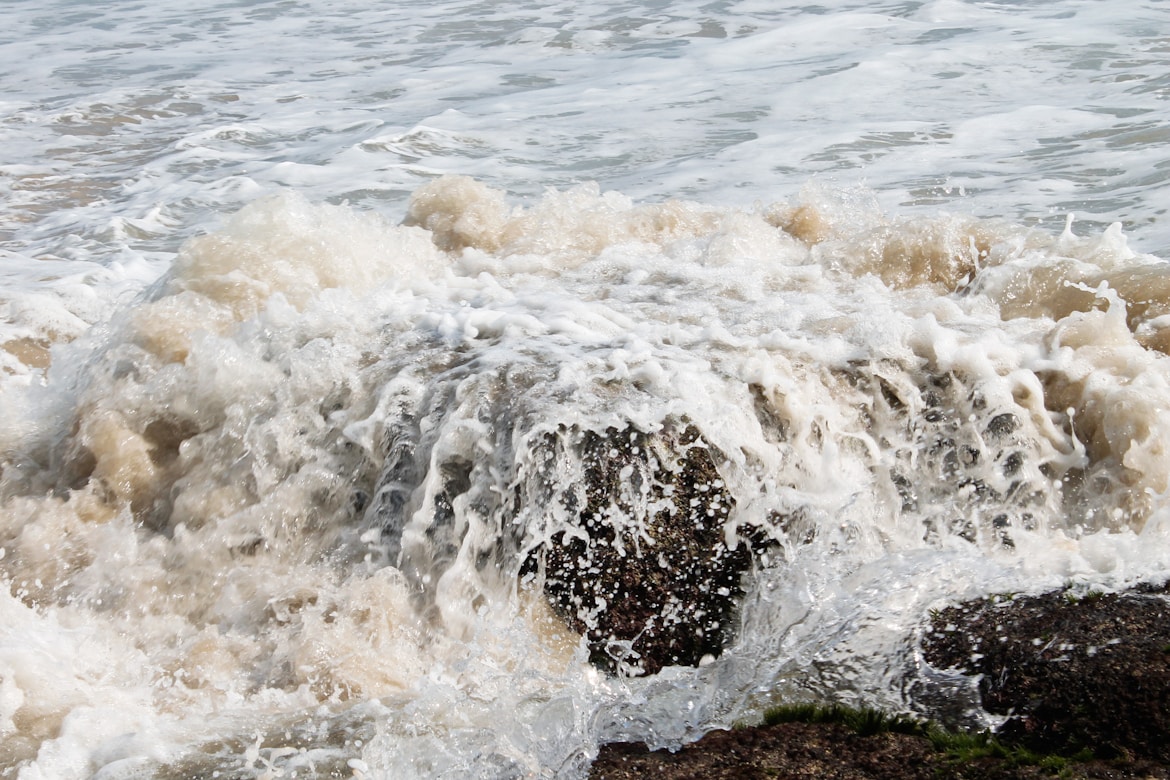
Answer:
x=296 y=296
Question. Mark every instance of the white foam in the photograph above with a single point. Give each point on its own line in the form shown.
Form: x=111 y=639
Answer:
x=205 y=458
x=794 y=209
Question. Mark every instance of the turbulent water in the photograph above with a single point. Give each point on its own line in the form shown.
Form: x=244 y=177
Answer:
x=309 y=306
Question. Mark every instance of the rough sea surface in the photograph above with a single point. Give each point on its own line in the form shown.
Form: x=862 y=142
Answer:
x=295 y=295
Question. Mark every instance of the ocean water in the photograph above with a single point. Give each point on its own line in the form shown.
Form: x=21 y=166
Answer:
x=294 y=296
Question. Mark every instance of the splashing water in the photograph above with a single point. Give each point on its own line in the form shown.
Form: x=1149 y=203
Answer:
x=362 y=482
x=274 y=518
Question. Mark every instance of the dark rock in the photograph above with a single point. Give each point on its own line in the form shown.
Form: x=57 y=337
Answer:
x=1077 y=675
x=642 y=567
x=784 y=750
x=830 y=751
x=1071 y=672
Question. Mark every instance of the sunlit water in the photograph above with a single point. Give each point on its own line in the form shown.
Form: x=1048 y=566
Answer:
x=295 y=295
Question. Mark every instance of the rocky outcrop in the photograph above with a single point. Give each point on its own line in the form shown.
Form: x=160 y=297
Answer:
x=642 y=566
x=1084 y=681
x=832 y=751
x=1072 y=673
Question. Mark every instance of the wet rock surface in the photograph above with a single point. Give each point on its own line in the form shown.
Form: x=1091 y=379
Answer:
x=784 y=750
x=1072 y=672
x=644 y=569
x=1084 y=680
x=832 y=751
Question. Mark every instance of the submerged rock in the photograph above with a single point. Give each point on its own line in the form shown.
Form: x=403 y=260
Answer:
x=644 y=564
